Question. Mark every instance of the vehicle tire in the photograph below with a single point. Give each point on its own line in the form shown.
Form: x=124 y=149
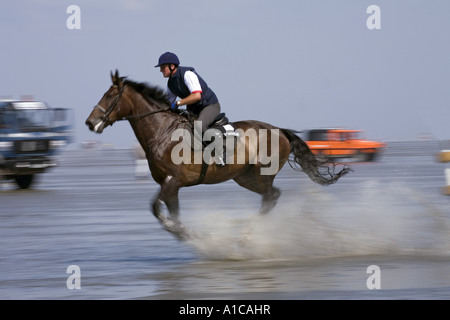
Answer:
x=24 y=181
x=371 y=156
x=365 y=156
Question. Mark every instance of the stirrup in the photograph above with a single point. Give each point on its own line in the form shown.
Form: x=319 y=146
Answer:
x=219 y=161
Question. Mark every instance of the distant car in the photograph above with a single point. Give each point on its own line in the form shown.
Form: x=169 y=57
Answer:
x=333 y=144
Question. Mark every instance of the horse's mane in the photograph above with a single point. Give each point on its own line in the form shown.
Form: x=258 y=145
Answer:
x=148 y=91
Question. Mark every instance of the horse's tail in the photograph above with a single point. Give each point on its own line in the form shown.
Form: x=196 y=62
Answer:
x=302 y=155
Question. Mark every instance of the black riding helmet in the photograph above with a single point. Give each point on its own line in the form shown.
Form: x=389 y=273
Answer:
x=168 y=58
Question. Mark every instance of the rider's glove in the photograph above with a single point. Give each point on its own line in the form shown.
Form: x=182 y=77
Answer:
x=174 y=105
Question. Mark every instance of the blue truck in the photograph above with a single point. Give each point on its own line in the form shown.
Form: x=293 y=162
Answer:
x=31 y=135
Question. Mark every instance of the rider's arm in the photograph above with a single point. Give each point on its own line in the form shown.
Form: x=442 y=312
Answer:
x=191 y=81
x=190 y=99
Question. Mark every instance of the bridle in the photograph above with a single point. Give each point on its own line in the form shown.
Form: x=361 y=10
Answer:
x=107 y=112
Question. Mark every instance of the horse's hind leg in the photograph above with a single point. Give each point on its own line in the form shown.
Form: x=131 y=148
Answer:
x=261 y=184
x=269 y=200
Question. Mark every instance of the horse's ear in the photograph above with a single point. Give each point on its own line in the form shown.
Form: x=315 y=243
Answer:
x=115 y=78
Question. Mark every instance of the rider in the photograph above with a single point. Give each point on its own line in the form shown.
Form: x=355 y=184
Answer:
x=186 y=83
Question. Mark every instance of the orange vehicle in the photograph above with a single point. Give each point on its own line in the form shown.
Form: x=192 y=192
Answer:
x=342 y=143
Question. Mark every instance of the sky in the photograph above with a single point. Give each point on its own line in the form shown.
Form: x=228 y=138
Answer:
x=297 y=64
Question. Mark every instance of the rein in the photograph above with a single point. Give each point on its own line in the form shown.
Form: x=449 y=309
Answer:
x=141 y=116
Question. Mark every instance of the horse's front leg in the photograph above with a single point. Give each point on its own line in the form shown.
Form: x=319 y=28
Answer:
x=168 y=196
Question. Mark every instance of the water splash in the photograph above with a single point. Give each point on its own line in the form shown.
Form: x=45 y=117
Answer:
x=377 y=219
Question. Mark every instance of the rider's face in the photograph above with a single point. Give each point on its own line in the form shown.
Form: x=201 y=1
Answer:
x=165 y=70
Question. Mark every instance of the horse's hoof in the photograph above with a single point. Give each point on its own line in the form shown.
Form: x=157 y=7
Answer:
x=176 y=228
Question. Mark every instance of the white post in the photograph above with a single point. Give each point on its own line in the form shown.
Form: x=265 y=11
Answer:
x=444 y=156
x=447 y=178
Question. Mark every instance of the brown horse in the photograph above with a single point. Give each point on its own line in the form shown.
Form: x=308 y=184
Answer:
x=148 y=112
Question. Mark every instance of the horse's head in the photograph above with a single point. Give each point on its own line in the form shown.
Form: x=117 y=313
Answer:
x=111 y=106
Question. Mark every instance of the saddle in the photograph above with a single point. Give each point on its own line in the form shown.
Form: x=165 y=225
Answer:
x=220 y=123
x=220 y=120
x=227 y=130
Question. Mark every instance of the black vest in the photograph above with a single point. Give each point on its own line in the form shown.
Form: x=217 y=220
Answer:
x=178 y=87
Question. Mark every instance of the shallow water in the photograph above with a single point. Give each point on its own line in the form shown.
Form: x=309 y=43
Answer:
x=318 y=242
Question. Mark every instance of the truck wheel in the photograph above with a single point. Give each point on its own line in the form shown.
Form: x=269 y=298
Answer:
x=371 y=156
x=24 y=181
x=366 y=156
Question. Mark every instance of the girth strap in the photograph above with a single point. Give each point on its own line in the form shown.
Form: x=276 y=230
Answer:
x=203 y=172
